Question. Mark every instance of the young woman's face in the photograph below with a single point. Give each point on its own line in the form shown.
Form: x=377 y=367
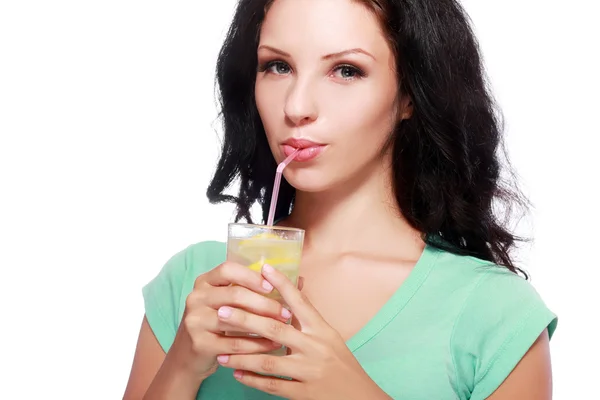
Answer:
x=326 y=83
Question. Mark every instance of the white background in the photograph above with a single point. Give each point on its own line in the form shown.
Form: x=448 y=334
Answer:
x=108 y=138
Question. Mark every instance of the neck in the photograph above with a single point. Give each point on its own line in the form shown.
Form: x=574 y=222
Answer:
x=361 y=216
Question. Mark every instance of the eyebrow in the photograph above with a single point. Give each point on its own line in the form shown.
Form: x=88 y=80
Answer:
x=357 y=50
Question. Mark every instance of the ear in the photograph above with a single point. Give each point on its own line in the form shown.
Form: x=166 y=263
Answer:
x=405 y=108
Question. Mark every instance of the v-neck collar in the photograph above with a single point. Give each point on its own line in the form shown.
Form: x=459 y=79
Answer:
x=397 y=301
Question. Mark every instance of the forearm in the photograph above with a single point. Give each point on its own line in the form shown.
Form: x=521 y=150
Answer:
x=373 y=391
x=379 y=395
x=374 y=395
x=173 y=382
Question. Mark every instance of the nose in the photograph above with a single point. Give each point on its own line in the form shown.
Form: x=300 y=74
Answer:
x=300 y=108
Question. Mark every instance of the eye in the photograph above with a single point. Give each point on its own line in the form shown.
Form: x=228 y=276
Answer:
x=348 y=72
x=275 y=67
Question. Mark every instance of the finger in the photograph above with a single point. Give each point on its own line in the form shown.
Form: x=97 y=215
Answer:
x=241 y=297
x=207 y=320
x=244 y=345
x=287 y=366
x=233 y=273
x=299 y=304
x=269 y=384
x=269 y=328
x=230 y=330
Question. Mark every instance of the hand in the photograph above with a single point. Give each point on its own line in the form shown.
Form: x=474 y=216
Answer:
x=200 y=338
x=320 y=364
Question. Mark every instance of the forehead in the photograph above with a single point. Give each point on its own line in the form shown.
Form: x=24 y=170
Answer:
x=322 y=26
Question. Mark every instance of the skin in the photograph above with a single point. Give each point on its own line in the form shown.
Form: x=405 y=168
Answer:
x=303 y=95
x=301 y=92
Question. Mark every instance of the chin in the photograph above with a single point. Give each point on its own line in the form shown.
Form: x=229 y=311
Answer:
x=309 y=180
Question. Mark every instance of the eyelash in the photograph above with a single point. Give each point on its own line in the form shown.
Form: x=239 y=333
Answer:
x=265 y=67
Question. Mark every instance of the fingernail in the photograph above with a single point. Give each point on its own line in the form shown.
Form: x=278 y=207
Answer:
x=285 y=313
x=223 y=359
x=238 y=374
x=267 y=286
x=268 y=269
x=225 y=312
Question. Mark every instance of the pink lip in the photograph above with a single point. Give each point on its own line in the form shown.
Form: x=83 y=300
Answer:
x=308 y=150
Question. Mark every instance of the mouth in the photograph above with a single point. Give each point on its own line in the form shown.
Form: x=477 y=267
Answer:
x=309 y=150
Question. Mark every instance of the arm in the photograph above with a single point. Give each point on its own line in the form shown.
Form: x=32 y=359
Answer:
x=192 y=355
x=532 y=377
x=154 y=375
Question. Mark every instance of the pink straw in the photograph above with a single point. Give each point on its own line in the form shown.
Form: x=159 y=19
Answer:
x=276 y=185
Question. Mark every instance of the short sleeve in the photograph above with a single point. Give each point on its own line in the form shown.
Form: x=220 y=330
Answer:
x=501 y=319
x=162 y=298
x=165 y=295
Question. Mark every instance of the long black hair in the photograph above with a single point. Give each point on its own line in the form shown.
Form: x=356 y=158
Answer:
x=447 y=158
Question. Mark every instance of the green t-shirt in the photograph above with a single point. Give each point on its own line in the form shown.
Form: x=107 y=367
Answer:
x=454 y=329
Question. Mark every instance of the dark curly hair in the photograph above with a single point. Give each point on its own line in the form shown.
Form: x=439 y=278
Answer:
x=447 y=158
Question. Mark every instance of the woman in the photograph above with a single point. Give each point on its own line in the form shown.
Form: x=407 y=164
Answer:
x=409 y=290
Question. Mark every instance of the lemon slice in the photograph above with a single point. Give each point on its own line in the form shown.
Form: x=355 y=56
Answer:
x=265 y=245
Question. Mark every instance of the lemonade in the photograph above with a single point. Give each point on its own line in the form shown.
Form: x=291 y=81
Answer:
x=267 y=248
x=256 y=245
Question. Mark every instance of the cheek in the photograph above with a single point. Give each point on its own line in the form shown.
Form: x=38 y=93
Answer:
x=269 y=106
x=366 y=122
